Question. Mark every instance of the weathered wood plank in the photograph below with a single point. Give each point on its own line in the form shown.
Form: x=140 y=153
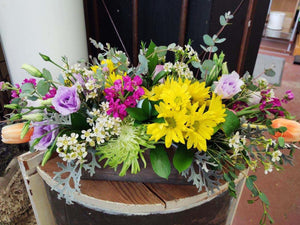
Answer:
x=28 y=163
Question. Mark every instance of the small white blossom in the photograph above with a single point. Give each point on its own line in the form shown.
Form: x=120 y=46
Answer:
x=168 y=67
x=268 y=168
x=276 y=155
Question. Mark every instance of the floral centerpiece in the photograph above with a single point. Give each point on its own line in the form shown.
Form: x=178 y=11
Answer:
x=216 y=122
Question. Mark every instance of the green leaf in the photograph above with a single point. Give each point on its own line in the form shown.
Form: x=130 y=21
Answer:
x=232 y=175
x=159 y=76
x=161 y=51
x=27 y=89
x=223 y=21
x=226 y=177
x=249 y=184
x=137 y=113
x=264 y=198
x=281 y=142
x=143 y=67
x=250 y=201
x=282 y=129
x=160 y=161
x=253 y=177
x=240 y=166
x=79 y=121
x=47 y=74
x=196 y=64
x=212 y=48
x=208 y=40
x=183 y=158
x=231 y=123
x=208 y=65
x=147 y=107
x=32 y=98
x=25 y=129
x=204 y=48
x=221 y=40
x=43 y=87
x=153 y=59
x=270 y=218
x=269 y=72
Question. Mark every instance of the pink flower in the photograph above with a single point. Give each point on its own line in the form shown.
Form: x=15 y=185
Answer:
x=138 y=93
x=15 y=93
x=50 y=94
x=31 y=80
x=128 y=83
x=288 y=96
x=137 y=81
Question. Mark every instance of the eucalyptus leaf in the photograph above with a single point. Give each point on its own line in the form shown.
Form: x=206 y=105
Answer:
x=221 y=40
x=160 y=161
x=223 y=21
x=43 y=87
x=204 y=48
x=27 y=89
x=46 y=74
x=161 y=51
x=208 y=65
x=196 y=65
x=143 y=67
x=212 y=49
x=208 y=40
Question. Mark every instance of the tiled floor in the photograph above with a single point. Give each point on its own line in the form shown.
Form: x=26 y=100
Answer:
x=282 y=188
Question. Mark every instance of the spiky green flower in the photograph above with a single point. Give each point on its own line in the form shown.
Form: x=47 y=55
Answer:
x=126 y=149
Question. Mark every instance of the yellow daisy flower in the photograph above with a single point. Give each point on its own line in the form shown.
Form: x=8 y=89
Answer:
x=172 y=129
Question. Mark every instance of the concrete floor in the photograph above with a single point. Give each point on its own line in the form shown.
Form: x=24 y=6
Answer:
x=282 y=188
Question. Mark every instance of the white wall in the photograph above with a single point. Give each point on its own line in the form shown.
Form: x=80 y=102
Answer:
x=52 y=27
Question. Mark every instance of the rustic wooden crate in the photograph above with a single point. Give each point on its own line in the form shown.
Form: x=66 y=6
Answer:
x=28 y=163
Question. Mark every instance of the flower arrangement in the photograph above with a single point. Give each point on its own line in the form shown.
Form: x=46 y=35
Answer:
x=216 y=122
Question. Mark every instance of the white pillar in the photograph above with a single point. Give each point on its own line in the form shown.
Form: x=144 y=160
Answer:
x=53 y=27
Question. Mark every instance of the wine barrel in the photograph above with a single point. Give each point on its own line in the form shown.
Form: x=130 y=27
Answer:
x=123 y=203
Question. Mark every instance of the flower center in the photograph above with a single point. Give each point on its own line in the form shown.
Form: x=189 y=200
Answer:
x=171 y=122
x=196 y=125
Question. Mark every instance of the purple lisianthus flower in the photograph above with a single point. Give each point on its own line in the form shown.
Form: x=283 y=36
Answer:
x=66 y=100
x=40 y=129
x=228 y=85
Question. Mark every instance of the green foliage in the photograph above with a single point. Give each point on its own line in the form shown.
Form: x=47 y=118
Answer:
x=231 y=124
x=43 y=87
x=183 y=158
x=47 y=75
x=27 y=90
x=160 y=161
x=25 y=129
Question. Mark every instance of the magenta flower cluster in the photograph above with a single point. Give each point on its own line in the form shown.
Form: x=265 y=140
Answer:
x=123 y=94
x=270 y=104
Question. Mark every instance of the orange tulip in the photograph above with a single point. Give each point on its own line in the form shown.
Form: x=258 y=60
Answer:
x=292 y=134
x=11 y=134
